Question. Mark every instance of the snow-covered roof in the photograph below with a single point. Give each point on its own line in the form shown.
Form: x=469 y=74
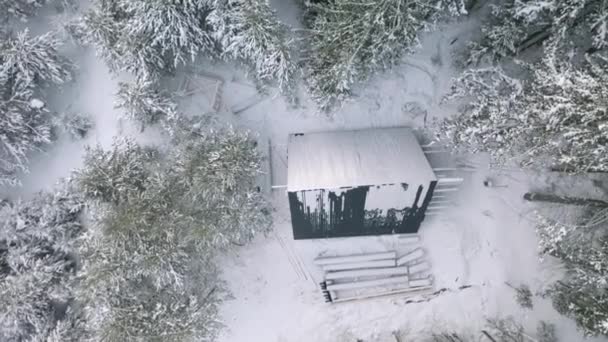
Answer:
x=330 y=160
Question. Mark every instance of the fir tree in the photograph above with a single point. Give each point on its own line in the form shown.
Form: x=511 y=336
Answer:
x=142 y=101
x=513 y=26
x=146 y=38
x=248 y=30
x=350 y=40
x=583 y=294
x=26 y=64
x=556 y=118
x=160 y=216
x=37 y=264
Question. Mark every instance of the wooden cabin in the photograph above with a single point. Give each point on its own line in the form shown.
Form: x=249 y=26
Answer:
x=358 y=182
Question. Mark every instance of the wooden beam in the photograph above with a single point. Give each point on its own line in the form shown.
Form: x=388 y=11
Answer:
x=384 y=271
x=424 y=282
x=358 y=265
x=411 y=256
x=367 y=283
x=419 y=267
x=355 y=258
x=412 y=291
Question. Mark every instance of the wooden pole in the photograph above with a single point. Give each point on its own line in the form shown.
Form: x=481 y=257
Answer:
x=551 y=198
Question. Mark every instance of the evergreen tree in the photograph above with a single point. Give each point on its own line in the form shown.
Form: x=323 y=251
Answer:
x=26 y=64
x=37 y=266
x=556 y=118
x=148 y=273
x=583 y=294
x=146 y=38
x=248 y=30
x=514 y=26
x=142 y=101
x=350 y=40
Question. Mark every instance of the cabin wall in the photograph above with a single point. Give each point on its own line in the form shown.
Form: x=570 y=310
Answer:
x=357 y=211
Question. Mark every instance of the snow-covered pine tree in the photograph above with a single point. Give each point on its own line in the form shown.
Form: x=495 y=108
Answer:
x=19 y=9
x=34 y=59
x=148 y=38
x=26 y=64
x=249 y=31
x=515 y=25
x=349 y=40
x=144 y=102
x=556 y=118
x=148 y=272
x=115 y=175
x=583 y=293
x=37 y=266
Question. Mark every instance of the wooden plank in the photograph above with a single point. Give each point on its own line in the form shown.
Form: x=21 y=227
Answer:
x=367 y=272
x=406 y=290
x=358 y=265
x=424 y=282
x=355 y=258
x=367 y=283
x=419 y=267
x=411 y=256
x=445 y=190
x=450 y=180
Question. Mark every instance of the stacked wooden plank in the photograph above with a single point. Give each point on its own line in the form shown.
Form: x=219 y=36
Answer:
x=360 y=276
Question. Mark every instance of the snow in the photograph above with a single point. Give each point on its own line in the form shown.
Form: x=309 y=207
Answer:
x=37 y=104
x=485 y=239
x=331 y=160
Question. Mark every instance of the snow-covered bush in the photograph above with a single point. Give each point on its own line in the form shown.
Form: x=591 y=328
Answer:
x=160 y=217
x=142 y=101
x=556 y=118
x=583 y=293
x=515 y=25
x=37 y=265
x=148 y=38
x=249 y=31
x=349 y=40
x=76 y=124
x=545 y=332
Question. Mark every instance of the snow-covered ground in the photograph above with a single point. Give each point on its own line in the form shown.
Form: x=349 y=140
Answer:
x=484 y=240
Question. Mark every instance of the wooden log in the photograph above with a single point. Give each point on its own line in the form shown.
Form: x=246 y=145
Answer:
x=424 y=282
x=445 y=190
x=367 y=272
x=411 y=256
x=419 y=267
x=406 y=290
x=540 y=197
x=368 y=283
x=358 y=265
x=355 y=258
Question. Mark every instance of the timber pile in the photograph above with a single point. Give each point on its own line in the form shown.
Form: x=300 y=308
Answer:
x=361 y=276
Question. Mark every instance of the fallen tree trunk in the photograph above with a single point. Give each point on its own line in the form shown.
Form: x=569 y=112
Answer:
x=551 y=198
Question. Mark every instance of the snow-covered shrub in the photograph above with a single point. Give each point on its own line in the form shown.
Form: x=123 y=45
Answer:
x=545 y=332
x=142 y=101
x=515 y=25
x=75 y=124
x=148 y=38
x=523 y=296
x=583 y=293
x=349 y=40
x=249 y=31
x=37 y=265
x=557 y=118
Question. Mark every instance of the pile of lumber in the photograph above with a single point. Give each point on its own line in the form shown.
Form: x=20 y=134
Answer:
x=371 y=275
